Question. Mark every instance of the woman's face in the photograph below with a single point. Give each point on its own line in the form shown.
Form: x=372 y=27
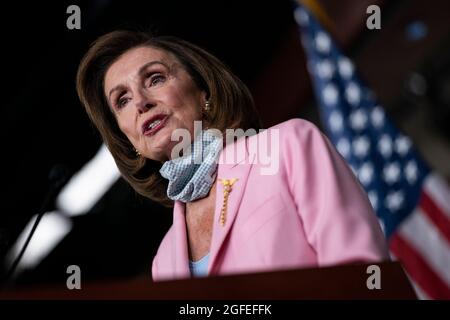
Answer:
x=151 y=95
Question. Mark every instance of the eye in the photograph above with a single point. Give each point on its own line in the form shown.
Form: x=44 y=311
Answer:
x=156 y=78
x=122 y=102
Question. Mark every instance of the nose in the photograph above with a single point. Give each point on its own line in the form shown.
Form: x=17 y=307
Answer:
x=143 y=103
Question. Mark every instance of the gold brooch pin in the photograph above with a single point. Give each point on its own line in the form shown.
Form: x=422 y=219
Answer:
x=227 y=185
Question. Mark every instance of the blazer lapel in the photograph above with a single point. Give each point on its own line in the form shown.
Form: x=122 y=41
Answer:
x=180 y=249
x=239 y=170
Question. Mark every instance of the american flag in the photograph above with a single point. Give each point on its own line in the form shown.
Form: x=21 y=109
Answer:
x=411 y=201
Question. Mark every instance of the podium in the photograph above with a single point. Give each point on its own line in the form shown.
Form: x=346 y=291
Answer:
x=343 y=282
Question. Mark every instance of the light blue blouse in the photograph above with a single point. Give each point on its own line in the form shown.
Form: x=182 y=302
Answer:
x=199 y=268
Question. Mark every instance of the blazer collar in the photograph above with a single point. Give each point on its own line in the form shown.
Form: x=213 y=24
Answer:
x=234 y=162
x=180 y=253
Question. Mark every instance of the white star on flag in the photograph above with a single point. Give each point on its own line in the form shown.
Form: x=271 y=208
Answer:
x=323 y=42
x=377 y=116
x=411 y=171
x=336 y=121
x=325 y=69
x=358 y=119
x=402 y=145
x=361 y=146
x=365 y=173
x=353 y=93
x=385 y=145
x=391 y=173
x=301 y=17
x=330 y=94
x=394 y=200
x=345 y=67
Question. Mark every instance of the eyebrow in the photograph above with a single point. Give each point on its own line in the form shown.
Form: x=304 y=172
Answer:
x=140 y=72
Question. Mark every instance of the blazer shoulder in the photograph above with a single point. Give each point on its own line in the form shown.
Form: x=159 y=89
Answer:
x=296 y=125
x=295 y=131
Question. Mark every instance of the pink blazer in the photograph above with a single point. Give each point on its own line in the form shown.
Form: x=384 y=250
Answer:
x=311 y=212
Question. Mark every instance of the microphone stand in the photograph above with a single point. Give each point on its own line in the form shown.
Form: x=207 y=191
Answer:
x=58 y=176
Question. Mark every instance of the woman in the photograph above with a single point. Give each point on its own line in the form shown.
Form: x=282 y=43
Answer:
x=228 y=217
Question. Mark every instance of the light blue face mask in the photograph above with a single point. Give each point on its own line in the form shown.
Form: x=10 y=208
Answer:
x=192 y=176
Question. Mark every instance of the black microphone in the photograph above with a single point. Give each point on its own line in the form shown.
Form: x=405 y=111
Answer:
x=58 y=176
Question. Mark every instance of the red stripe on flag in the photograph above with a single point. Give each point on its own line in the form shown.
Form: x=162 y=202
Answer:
x=419 y=270
x=435 y=214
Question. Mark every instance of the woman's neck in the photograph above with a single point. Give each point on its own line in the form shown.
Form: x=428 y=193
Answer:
x=199 y=223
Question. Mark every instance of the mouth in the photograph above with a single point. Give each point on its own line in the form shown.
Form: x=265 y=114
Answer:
x=153 y=124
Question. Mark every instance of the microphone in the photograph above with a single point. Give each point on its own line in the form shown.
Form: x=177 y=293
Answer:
x=58 y=176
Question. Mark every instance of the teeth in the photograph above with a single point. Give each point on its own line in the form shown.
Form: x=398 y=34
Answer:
x=153 y=124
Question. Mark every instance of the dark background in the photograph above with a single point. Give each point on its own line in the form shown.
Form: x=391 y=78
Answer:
x=43 y=123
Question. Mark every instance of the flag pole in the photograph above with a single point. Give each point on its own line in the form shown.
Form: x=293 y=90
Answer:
x=320 y=13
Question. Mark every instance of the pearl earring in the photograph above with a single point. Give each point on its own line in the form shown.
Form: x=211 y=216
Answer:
x=138 y=154
x=206 y=106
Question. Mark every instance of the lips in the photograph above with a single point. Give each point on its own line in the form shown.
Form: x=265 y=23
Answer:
x=147 y=130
